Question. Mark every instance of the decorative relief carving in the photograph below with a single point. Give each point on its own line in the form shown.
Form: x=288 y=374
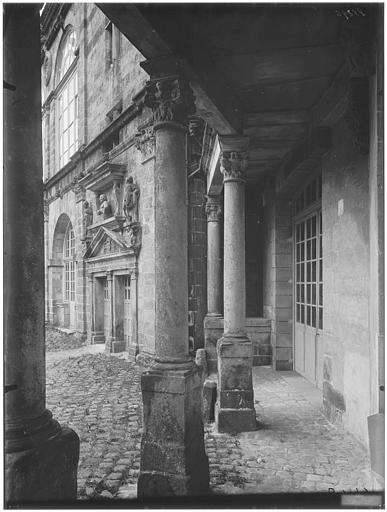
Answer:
x=109 y=246
x=133 y=236
x=171 y=99
x=233 y=164
x=131 y=197
x=145 y=142
x=78 y=189
x=213 y=209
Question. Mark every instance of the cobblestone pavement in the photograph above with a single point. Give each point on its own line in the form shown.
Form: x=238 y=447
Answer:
x=295 y=449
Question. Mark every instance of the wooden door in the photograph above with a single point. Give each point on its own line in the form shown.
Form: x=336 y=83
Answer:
x=127 y=313
x=106 y=310
x=308 y=297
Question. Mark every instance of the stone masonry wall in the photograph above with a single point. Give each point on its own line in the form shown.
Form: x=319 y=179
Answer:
x=96 y=98
x=346 y=283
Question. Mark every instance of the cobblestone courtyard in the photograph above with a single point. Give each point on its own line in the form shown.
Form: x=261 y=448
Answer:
x=294 y=450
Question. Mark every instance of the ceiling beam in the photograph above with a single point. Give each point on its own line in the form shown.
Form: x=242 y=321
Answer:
x=153 y=32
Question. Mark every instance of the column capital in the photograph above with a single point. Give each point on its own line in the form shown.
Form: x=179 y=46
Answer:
x=214 y=208
x=168 y=93
x=109 y=275
x=233 y=158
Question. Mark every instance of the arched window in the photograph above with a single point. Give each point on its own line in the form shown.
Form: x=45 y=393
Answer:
x=67 y=106
x=69 y=267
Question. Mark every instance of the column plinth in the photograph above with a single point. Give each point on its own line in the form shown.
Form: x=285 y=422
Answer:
x=40 y=457
x=235 y=406
x=173 y=459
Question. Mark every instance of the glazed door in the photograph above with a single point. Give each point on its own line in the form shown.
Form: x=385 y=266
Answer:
x=127 y=313
x=308 y=295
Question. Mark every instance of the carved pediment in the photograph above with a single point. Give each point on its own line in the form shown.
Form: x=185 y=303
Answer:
x=106 y=242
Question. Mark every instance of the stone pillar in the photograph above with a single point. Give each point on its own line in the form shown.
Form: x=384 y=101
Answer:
x=173 y=459
x=235 y=407
x=214 y=258
x=133 y=348
x=97 y=310
x=41 y=457
x=109 y=340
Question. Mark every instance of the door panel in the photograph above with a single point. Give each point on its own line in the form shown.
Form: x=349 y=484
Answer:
x=106 y=311
x=127 y=313
x=308 y=296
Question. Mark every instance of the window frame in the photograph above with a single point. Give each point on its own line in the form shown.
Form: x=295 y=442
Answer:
x=69 y=265
x=62 y=83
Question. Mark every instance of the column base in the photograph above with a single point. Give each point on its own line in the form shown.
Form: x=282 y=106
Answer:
x=97 y=337
x=132 y=352
x=235 y=420
x=114 y=346
x=235 y=405
x=173 y=458
x=47 y=472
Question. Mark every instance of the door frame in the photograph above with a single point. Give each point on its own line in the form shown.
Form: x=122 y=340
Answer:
x=302 y=215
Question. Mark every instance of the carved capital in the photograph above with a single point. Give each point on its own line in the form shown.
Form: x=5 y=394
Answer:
x=233 y=157
x=233 y=165
x=213 y=209
x=145 y=142
x=170 y=98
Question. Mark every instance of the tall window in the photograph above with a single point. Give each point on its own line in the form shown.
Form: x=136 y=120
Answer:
x=69 y=252
x=67 y=98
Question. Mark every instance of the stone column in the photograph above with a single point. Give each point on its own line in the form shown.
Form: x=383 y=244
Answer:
x=109 y=341
x=41 y=457
x=173 y=459
x=235 y=407
x=133 y=348
x=214 y=259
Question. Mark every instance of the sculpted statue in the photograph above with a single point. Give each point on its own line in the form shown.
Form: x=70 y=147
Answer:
x=87 y=214
x=131 y=195
x=105 y=209
x=116 y=197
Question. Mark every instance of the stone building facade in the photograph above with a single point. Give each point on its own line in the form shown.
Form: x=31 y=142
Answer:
x=304 y=308
x=99 y=199
x=201 y=192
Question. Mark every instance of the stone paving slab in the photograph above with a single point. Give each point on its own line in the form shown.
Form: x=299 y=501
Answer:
x=294 y=450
